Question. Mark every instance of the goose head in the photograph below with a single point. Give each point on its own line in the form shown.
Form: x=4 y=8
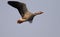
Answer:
x=37 y=13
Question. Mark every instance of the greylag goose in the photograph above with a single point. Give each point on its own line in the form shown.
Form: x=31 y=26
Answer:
x=26 y=15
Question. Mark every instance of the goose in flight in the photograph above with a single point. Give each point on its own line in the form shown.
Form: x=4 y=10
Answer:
x=25 y=14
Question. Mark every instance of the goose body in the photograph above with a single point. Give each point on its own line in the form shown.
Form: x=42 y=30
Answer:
x=26 y=15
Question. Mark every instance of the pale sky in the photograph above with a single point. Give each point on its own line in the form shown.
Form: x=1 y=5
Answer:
x=44 y=25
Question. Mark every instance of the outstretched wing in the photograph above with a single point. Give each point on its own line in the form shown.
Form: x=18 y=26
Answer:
x=20 y=6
